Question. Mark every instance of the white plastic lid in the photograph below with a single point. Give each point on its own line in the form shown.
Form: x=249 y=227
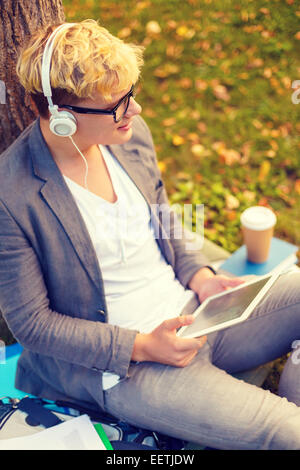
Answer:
x=258 y=218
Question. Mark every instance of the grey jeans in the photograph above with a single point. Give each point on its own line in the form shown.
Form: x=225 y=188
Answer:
x=204 y=403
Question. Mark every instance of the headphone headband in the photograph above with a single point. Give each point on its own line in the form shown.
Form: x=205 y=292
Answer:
x=62 y=123
x=46 y=61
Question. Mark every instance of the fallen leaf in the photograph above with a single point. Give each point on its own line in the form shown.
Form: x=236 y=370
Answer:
x=257 y=124
x=193 y=137
x=200 y=84
x=149 y=112
x=231 y=215
x=124 y=33
x=267 y=72
x=297 y=186
x=181 y=175
x=232 y=202
x=274 y=144
x=256 y=62
x=202 y=127
x=185 y=83
x=271 y=153
x=198 y=177
x=185 y=32
x=165 y=98
x=177 y=140
x=169 y=121
x=230 y=156
x=249 y=195
x=152 y=27
x=221 y=92
x=166 y=70
x=162 y=166
x=218 y=146
x=197 y=150
x=174 y=50
x=264 y=170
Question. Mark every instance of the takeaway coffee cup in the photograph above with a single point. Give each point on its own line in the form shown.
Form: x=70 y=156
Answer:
x=258 y=226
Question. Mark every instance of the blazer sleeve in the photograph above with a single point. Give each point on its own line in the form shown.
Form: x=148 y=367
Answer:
x=188 y=256
x=25 y=306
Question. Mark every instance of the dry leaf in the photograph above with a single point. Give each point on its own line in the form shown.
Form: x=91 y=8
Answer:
x=162 y=166
x=178 y=140
x=231 y=215
x=169 y=121
x=257 y=124
x=202 y=127
x=230 y=156
x=265 y=11
x=149 y=112
x=221 y=92
x=124 y=33
x=185 y=32
x=185 y=83
x=264 y=170
x=152 y=27
x=297 y=186
x=200 y=84
x=166 y=70
x=271 y=153
x=232 y=202
x=249 y=195
x=257 y=62
x=193 y=137
x=197 y=150
x=267 y=72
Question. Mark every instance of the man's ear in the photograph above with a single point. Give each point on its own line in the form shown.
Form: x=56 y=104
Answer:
x=33 y=105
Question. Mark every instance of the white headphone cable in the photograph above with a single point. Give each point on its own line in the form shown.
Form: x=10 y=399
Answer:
x=84 y=159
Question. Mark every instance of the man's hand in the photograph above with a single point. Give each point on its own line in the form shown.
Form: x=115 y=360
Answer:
x=164 y=346
x=216 y=285
x=205 y=283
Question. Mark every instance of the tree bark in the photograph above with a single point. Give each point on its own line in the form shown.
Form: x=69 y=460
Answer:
x=19 y=19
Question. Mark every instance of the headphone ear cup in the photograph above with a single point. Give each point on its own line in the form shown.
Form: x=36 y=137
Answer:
x=63 y=124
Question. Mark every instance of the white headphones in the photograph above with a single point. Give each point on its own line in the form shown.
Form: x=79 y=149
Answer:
x=62 y=123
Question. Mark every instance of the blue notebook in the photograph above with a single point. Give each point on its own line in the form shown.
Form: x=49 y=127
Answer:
x=282 y=256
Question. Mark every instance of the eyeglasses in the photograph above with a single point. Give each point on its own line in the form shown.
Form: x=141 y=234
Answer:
x=118 y=111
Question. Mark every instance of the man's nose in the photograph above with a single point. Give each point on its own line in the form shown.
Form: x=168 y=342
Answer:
x=133 y=108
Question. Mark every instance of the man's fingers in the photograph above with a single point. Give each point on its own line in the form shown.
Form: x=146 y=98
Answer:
x=177 y=322
x=186 y=344
x=232 y=282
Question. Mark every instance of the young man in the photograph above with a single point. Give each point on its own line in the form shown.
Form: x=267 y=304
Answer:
x=95 y=306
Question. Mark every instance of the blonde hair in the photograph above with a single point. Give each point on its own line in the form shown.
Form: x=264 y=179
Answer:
x=86 y=60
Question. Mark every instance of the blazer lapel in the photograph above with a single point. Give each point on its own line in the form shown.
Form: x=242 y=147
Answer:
x=130 y=159
x=58 y=197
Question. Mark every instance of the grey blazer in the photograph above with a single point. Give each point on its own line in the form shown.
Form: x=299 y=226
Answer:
x=51 y=288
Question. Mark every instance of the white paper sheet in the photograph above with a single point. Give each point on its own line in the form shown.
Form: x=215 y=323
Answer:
x=74 y=434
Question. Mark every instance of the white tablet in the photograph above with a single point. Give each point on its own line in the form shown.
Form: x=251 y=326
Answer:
x=228 y=308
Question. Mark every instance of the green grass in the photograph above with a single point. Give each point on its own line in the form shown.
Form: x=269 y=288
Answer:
x=216 y=92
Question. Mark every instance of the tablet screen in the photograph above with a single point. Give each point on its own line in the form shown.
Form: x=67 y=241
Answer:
x=225 y=307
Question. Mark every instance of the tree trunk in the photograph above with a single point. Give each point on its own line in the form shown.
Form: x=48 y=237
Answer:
x=18 y=20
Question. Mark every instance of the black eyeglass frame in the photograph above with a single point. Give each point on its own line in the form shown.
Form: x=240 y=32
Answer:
x=112 y=112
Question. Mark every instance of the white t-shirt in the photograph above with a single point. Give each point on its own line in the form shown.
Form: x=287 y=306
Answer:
x=140 y=287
